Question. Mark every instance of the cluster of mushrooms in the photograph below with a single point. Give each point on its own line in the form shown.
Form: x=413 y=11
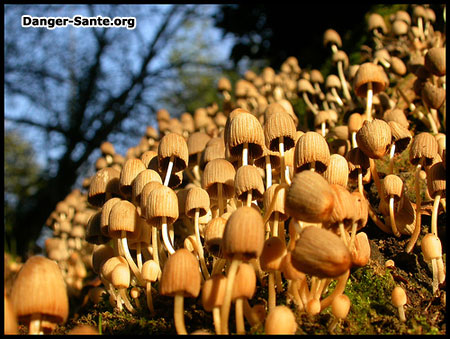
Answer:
x=241 y=194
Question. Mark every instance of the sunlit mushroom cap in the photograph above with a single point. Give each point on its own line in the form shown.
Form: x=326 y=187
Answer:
x=248 y=178
x=337 y=171
x=130 y=170
x=103 y=185
x=162 y=202
x=173 y=144
x=431 y=246
x=244 y=282
x=435 y=61
x=142 y=179
x=343 y=210
x=279 y=204
x=213 y=291
x=196 y=198
x=279 y=124
x=433 y=96
x=196 y=143
x=374 y=138
x=280 y=320
x=423 y=145
x=311 y=147
x=393 y=186
x=123 y=217
x=368 y=72
x=219 y=171
x=330 y=36
x=214 y=149
x=436 y=180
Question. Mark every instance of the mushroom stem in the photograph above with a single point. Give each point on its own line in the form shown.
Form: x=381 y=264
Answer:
x=268 y=171
x=342 y=231
x=313 y=166
x=354 y=142
x=376 y=178
x=391 y=159
x=360 y=181
x=435 y=275
x=345 y=90
x=239 y=315
x=377 y=221
x=216 y=318
x=339 y=289
x=249 y=198
x=155 y=244
x=333 y=324
x=323 y=126
x=309 y=103
x=369 y=100
x=148 y=293
x=245 y=154
x=275 y=224
x=430 y=118
x=165 y=235
x=294 y=288
x=336 y=96
x=220 y=198
x=392 y=217
x=272 y=293
x=441 y=272
x=178 y=313
x=199 y=244
x=225 y=309
x=416 y=231
x=352 y=236
x=282 y=160
x=126 y=301
x=169 y=170
x=130 y=260
x=401 y=313
x=139 y=255
x=35 y=324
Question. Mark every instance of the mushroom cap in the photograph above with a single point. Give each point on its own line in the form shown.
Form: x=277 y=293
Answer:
x=393 y=185
x=343 y=210
x=280 y=320
x=279 y=205
x=214 y=149
x=248 y=178
x=376 y=21
x=105 y=182
x=396 y=114
x=143 y=178
x=368 y=72
x=399 y=27
x=40 y=288
x=162 y=202
x=213 y=291
x=309 y=197
x=244 y=282
x=130 y=170
x=331 y=81
x=356 y=158
x=196 y=143
x=224 y=84
x=311 y=147
x=150 y=270
x=145 y=194
x=181 y=275
x=316 y=76
x=433 y=96
x=436 y=179
x=123 y=217
x=107 y=148
x=289 y=271
x=279 y=124
x=337 y=171
x=173 y=144
x=243 y=234
x=94 y=234
x=398 y=296
x=219 y=171
x=272 y=254
x=100 y=254
x=398 y=66
x=196 y=198
x=320 y=252
x=361 y=209
x=213 y=234
x=340 y=306
x=431 y=246
x=374 y=138
x=423 y=145
x=305 y=85
x=330 y=36
x=361 y=253
x=435 y=61
x=120 y=276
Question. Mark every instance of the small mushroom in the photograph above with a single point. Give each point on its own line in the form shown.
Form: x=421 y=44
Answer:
x=432 y=251
x=280 y=320
x=150 y=273
x=213 y=292
x=398 y=298
x=339 y=307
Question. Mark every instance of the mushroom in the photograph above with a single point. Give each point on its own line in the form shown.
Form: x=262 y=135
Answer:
x=103 y=186
x=213 y=291
x=280 y=320
x=243 y=289
x=332 y=39
x=10 y=318
x=432 y=251
x=196 y=144
x=341 y=59
x=120 y=279
x=248 y=184
x=339 y=307
x=401 y=137
x=433 y=97
x=337 y=171
x=393 y=189
x=39 y=295
x=305 y=88
x=273 y=202
x=269 y=161
x=332 y=83
x=398 y=298
x=436 y=183
x=142 y=179
x=129 y=172
x=173 y=155
x=180 y=279
x=311 y=152
x=150 y=273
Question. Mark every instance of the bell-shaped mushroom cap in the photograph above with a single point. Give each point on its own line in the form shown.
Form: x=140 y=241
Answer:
x=39 y=288
x=130 y=170
x=173 y=144
x=435 y=61
x=367 y=73
x=316 y=76
x=243 y=234
x=356 y=158
x=374 y=138
x=331 y=81
x=103 y=185
x=224 y=84
x=393 y=186
x=355 y=122
x=343 y=210
x=403 y=16
x=107 y=148
x=213 y=234
x=120 y=276
x=330 y=37
x=280 y=320
x=162 y=114
x=361 y=251
x=433 y=96
x=150 y=270
x=337 y=171
x=94 y=234
x=278 y=205
x=245 y=128
x=311 y=147
x=196 y=198
x=398 y=66
x=272 y=254
x=436 y=180
x=361 y=209
x=142 y=179
x=309 y=198
x=123 y=217
x=398 y=296
x=423 y=145
x=213 y=291
x=288 y=270
x=399 y=28
x=320 y=252
x=248 y=178
x=181 y=275
x=109 y=264
x=100 y=254
x=376 y=22
x=339 y=56
x=244 y=282
x=150 y=159
x=104 y=218
x=305 y=85
x=196 y=143
x=279 y=124
x=162 y=202
x=397 y=115
x=215 y=149
x=340 y=306
x=431 y=246
x=219 y=171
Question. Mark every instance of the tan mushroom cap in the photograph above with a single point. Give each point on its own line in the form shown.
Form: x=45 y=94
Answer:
x=279 y=124
x=279 y=204
x=376 y=21
x=123 y=217
x=368 y=72
x=280 y=320
x=330 y=36
x=272 y=255
x=196 y=198
x=337 y=171
x=436 y=180
x=431 y=246
x=219 y=171
x=423 y=145
x=435 y=61
x=103 y=185
x=213 y=234
x=398 y=296
x=213 y=291
x=173 y=144
x=245 y=282
x=162 y=202
x=393 y=186
x=39 y=288
x=374 y=138
x=130 y=170
x=248 y=178
x=311 y=147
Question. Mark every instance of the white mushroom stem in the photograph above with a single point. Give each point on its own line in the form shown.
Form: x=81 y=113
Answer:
x=401 y=313
x=345 y=90
x=416 y=231
x=225 y=309
x=178 y=313
x=441 y=271
x=309 y=103
x=271 y=291
x=239 y=315
x=392 y=217
x=391 y=158
x=130 y=260
x=352 y=236
x=165 y=235
x=155 y=244
x=323 y=126
x=169 y=170
x=148 y=293
x=268 y=171
x=35 y=324
x=342 y=231
x=249 y=198
x=336 y=96
x=216 y=318
x=376 y=178
x=245 y=154
x=360 y=181
x=199 y=244
x=283 y=160
x=139 y=255
x=126 y=301
x=334 y=48
x=354 y=142
x=369 y=100
x=435 y=282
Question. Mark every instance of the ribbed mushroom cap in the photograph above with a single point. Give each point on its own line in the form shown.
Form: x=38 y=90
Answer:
x=436 y=179
x=244 y=282
x=367 y=73
x=397 y=115
x=245 y=128
x=361 y=209
x=272 y=254
x=196 y=197
x=248 y=178
x=104 y=184
x=280 y=320
x=130 y=170
x=243 y=234
x=109 y=264
x=142 y=179
x=398 y=296
x=274 y=159
x=123 y=217
x=214 y=149
x=343 y=210
x=181 y=274
x=213 y=234
x=94 y=233
x=431 y=246
x=162 y=202
x=213 y=291
x=309 y=198
x=393 y=186
x=356 y=158
x=311 y=147
x=435 y=61
x=196 y=143
x=278 y=125
x=433 y=96
x=321 y=253
x=330 y=36
x=219 y=171
x=173 y=144
x=100 y=254
x=339 y=56
x=150 y=270
x=337 y=171
x=39 y=288
x=145 y=194
x=374 y=138
x=104 y=218
x=279 y=205
x=423 y=145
